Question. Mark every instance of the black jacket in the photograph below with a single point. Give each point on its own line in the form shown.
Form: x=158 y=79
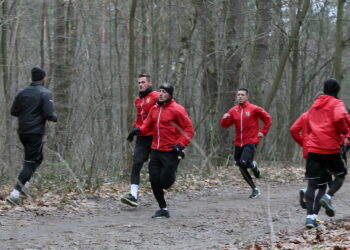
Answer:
x=33 y=105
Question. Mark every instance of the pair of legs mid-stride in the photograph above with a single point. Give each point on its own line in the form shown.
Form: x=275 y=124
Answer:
x=162 y=174
x=141 y=154
x=244 y=159
x=319 y=167
x=33 y=156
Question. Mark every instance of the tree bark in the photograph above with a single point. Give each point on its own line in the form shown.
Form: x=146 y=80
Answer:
x=131 y=86
x=259 y=60
x=339 y=41
x=285 y=53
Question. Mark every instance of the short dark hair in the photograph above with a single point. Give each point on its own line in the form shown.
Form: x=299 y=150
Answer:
x=145 y=75
x=244 y=89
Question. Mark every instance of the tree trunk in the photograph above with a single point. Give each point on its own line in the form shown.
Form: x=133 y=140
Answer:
x=285 y=53
x=339 y=41
x=131 y=86
x=259 y=60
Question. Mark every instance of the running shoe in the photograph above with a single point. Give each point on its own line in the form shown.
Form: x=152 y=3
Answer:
x=15 y=201
x=130 y=200
x=255 y=194
x=309 y=223
x=161 y=213
x=327 y=204
x=302 y=198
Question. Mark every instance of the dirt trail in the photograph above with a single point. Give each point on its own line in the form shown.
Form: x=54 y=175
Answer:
x=220 y=218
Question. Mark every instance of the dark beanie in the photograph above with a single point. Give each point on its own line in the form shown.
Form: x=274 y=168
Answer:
x=168 y=88
x=331 y=87
x=38 y=74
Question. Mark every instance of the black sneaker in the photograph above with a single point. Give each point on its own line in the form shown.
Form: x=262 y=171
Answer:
x=161 y=213
x=327 y=204
x=255 y=169
x=255 y=194
x=302 y=200
x=130 y=200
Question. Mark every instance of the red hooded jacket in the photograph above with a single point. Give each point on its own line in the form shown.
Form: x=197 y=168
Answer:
x=299 y=131
x=143 y=106
x=246 y=117
x=327 y=121
x=169 y=124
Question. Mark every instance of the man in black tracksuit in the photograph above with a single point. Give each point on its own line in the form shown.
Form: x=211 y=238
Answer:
x=33 y=105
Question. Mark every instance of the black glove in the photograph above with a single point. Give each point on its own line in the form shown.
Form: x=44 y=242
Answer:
x=133 y=132
x=178 y=150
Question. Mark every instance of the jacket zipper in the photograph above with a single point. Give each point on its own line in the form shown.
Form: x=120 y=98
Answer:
x=241 y=127
x=142 y=109
x=158 y=130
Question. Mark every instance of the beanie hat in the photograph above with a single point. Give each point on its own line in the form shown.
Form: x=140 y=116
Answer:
x=168 y=88
x=38 y=74
x=331 y=87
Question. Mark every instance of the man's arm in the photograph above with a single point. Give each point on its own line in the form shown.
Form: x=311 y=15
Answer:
x=48 y=107
x=296 y=130
x=184 y=125
x=227 y=119
x=266 y=118
x=14 y=107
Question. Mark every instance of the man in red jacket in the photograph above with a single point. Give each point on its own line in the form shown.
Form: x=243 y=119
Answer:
x=299 y=132
x=172 y=131
x=245 y=117
x=326 y=123
x=144 y=102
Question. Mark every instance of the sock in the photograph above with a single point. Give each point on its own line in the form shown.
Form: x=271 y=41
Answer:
x=311 y=216
x=328 y=196
x=27 y=184
x=165 y=208
x=134 y=189
x=15 y=193
x=314 y=216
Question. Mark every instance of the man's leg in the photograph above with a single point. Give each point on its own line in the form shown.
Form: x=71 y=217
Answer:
x=335 y=165
x=140 y=156
x=244 y=158
x=33 y=156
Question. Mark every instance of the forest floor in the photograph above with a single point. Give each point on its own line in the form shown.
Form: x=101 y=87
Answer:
x=206 y=213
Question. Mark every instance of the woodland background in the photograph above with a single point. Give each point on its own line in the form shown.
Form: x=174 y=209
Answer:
x=93 y=50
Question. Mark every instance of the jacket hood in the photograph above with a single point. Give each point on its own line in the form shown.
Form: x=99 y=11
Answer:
x=321 y=101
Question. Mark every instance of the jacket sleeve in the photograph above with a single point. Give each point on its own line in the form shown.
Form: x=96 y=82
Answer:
x=296 y=130
x=147 y=125
x=340 y=118
x=14 y=108
x=266 y=118
x=48 y=107
x=225 y=123
x=184 y=125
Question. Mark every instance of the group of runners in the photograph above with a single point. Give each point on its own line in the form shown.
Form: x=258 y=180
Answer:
x=163 y=130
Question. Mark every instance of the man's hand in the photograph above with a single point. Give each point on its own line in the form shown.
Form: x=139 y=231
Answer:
x=133 y=132
x=226 y=115
x=261 y=135
x=178 y=150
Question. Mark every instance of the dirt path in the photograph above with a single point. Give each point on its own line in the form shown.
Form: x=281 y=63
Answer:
x=220 y=218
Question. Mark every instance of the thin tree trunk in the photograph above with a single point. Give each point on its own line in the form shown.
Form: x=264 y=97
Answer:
x=283 y=59
x=339 y=41
x=6 y=79
x=131 y=74
x=257 y=69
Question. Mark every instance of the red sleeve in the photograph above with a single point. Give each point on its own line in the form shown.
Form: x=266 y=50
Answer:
x=184 y=125
x=225 y=123
x=137 y=116
x=296 y=130
x=147 y=125
x=341 y=118
x=266 y=118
